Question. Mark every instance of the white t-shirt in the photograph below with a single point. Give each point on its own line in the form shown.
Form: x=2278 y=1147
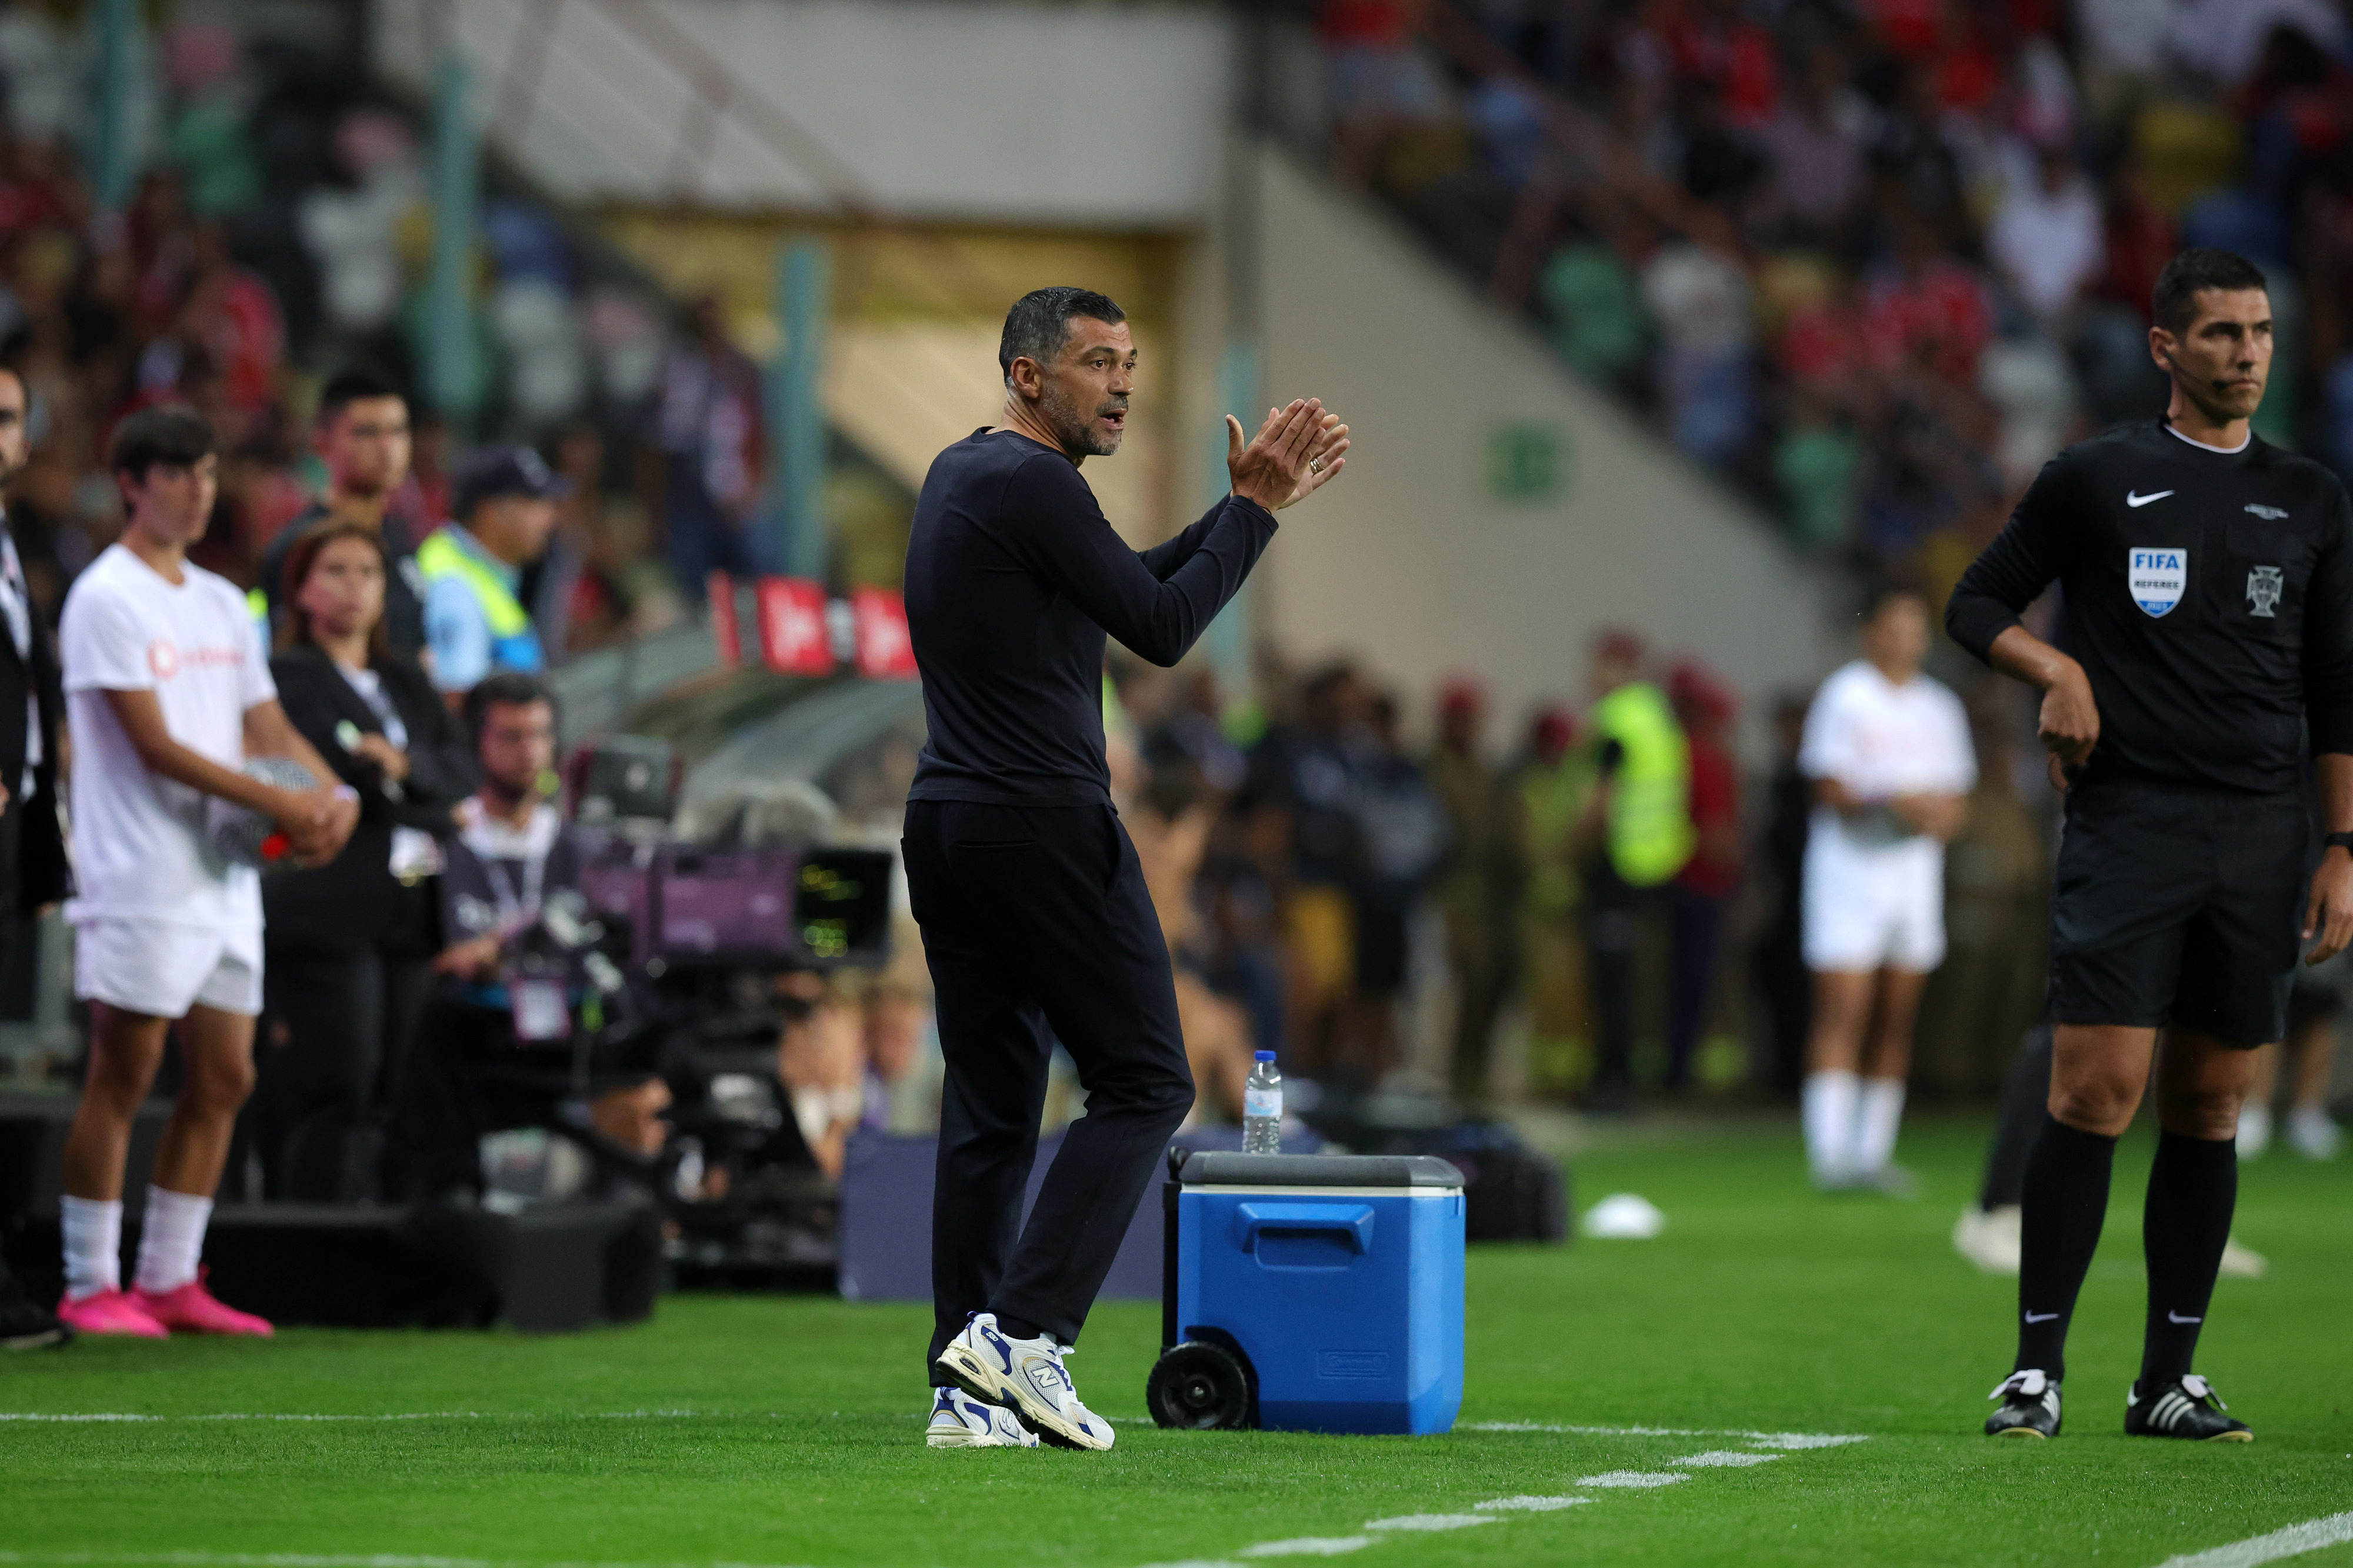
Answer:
x=138 y=840
x=1879 y=739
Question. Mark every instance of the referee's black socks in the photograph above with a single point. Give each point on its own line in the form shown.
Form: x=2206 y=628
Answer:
x=2066 y=1198
x=2192 y=1188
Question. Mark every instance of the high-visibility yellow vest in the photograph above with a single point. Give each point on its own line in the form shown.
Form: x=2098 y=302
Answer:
x=515 y=641
x=1649 y=829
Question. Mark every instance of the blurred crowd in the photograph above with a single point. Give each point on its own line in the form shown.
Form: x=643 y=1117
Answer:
x=1876 y=259
x=282 y=230
x=1602 y=904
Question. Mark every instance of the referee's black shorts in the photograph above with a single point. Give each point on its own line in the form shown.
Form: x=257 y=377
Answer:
x=2180 y=906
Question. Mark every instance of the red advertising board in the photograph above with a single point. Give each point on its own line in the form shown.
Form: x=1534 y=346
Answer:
x=884 y=650
x=793 y=636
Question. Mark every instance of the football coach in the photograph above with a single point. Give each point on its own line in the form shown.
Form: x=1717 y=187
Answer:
x=1035 y=918
x=2205 y=628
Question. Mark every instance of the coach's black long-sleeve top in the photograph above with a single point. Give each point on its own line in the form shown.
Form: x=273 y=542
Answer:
x=2208 y=596
x=1013 y=579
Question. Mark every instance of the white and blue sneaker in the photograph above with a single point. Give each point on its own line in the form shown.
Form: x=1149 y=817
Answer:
x=1026 y=1375
x=960 y=1421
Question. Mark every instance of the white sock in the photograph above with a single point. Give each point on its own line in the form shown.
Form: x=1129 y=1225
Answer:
x=93 y=1235
x=171 y=1239
x=1829 y=1123
x=1879 y=1109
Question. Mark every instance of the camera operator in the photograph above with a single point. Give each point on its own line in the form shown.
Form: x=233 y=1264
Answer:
x=512 y=854
x=349 y=945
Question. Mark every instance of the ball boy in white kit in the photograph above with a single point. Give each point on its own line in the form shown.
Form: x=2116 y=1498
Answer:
x=167 y=694
x=1890 y=754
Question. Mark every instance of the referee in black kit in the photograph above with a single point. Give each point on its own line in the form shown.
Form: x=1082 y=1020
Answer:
x=2206 y=623
x=1033 y=908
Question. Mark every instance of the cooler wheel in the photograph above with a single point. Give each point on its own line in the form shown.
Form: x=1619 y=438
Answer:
x=1200 y=1385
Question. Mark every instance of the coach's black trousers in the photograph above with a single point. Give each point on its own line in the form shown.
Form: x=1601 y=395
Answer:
x=1036 y=920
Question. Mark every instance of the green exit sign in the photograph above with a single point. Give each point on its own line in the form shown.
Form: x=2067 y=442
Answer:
x=1527 y=462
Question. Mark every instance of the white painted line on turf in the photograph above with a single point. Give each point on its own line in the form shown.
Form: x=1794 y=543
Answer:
x=1309 y=1546
x=1795 y=1441
x=1785 y=1440
x=1634 y=1479
x=2293 y=1541
x=1496 y=1511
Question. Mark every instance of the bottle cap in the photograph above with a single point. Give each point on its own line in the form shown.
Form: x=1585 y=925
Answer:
x=1266 y=1055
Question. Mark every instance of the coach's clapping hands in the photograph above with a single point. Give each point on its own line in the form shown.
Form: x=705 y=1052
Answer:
x=1299 y=450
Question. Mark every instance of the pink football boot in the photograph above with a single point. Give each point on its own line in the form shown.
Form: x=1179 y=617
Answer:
x=110 y=1312
x=193 y=1309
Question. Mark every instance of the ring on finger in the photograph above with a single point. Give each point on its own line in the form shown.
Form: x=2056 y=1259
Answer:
x=1315 y=464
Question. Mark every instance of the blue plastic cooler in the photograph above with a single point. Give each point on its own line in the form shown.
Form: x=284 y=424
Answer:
x=1312 y=1293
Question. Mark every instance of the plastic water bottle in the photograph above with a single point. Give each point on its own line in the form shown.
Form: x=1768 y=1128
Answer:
x=1262 y=1108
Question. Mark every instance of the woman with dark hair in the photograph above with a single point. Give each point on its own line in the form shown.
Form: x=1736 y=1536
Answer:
x=349 y=946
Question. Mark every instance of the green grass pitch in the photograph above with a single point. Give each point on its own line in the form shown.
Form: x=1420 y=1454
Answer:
x=787 y=1431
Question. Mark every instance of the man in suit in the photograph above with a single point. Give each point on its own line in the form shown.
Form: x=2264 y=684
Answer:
x=32 y=870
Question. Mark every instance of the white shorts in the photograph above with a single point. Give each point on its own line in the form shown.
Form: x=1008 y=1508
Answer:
x=1868 y=909
x=162 y=970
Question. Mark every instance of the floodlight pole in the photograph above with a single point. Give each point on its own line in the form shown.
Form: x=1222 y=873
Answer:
x=796 y=409
x=1239 y=365
x=453 y=360
x=111 y=162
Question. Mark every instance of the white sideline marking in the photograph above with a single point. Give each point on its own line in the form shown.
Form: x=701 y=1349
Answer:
x=1528 y=1504
x=2293 y=1541
x=1784 y=1440
x=1432 y=1521
x=1725 y=1459
x=1637 y=1478
x=1309 y=1546
x=1794 y=1442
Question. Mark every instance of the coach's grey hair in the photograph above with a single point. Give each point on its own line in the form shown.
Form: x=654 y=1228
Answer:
x=1039 y=323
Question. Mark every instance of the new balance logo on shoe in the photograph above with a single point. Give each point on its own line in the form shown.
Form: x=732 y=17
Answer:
x=1026 y=1376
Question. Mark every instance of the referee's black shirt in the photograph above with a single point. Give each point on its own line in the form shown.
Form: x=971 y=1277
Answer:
x=1013 y=577
x=2208 y=596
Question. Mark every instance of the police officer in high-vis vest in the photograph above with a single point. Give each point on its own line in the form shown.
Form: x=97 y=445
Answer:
x=1639 y=831
x=502 y=508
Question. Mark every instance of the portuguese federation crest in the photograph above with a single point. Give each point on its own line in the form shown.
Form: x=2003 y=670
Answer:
x=2264 y=592
x=2158 y=577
